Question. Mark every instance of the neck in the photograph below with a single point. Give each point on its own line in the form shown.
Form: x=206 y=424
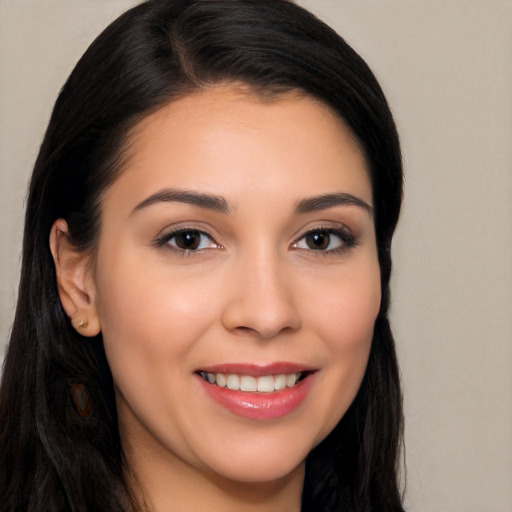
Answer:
x=168 y=484
x=180 y=491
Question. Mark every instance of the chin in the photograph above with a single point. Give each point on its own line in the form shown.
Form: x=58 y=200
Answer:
x=267 y=465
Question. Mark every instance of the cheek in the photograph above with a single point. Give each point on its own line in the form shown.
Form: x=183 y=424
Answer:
x=347 y=310
x=149 y=316
x=151 y=325
x=344 y=318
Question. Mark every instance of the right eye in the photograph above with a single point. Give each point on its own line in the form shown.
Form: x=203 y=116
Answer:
x=187 y=240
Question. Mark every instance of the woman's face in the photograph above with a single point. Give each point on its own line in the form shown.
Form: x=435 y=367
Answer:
x=237 y=248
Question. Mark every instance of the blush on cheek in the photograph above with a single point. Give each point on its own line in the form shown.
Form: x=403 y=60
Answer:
x=352 y=322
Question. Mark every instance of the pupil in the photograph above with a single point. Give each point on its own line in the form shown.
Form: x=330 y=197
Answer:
x=318 y=241
x=188 y=240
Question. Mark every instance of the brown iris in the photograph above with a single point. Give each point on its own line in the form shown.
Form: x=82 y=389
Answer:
x=188 y=240
x=318 y=240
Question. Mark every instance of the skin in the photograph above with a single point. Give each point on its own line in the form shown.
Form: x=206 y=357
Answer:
x=254 y=292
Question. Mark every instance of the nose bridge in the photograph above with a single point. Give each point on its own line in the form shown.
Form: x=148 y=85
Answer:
x=262 y=296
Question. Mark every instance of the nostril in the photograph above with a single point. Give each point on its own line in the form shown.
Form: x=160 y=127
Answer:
x=262 y=307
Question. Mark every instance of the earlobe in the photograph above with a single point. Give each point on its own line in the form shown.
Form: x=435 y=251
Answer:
x=75 y=280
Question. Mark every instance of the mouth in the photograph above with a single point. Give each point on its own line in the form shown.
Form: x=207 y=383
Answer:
x=254 y=384
x=258 y=392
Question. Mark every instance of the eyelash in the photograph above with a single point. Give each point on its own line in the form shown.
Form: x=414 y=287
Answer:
x=164 y=239
x=348 y=240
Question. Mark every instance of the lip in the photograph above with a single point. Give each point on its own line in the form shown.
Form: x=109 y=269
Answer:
x=257 y=370
x=259 y=406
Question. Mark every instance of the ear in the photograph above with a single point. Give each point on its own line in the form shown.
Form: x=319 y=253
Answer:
x=75 y=280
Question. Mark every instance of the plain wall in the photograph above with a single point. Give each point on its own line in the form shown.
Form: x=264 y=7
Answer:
x=446 y=67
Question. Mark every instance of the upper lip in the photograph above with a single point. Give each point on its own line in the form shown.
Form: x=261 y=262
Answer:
x=257 y=370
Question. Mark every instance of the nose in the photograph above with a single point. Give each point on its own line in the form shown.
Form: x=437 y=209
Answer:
x=261 y=299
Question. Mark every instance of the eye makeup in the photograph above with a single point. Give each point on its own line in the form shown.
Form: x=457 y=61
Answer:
x=325 y=240
x=187 y=240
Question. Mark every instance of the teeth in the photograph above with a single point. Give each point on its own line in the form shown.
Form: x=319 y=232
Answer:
x=291 y=379
x=250 y=384
x=279 y=382
x=266 y=384
x=233 y=382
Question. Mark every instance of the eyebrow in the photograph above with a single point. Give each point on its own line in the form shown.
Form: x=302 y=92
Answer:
x=324 y=201
x=207 y=201
x=219 y=204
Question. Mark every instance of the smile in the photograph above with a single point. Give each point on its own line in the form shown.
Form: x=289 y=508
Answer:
x=251 y=384
x=255 y=392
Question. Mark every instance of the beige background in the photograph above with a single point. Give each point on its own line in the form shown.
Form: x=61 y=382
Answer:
x=447 y=70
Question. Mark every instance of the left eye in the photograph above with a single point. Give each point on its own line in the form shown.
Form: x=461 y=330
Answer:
x=190 y=240
x=325 y=240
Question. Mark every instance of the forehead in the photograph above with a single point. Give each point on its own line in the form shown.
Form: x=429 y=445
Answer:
x=226 y=135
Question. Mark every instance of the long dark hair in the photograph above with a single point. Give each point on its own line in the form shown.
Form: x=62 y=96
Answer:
x=51 y=458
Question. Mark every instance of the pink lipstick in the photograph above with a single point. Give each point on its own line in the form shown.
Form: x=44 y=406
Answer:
x=259 y=392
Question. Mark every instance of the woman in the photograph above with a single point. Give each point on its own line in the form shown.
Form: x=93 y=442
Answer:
x=202 y=316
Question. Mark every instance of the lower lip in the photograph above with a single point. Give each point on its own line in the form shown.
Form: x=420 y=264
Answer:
x=260 y=406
